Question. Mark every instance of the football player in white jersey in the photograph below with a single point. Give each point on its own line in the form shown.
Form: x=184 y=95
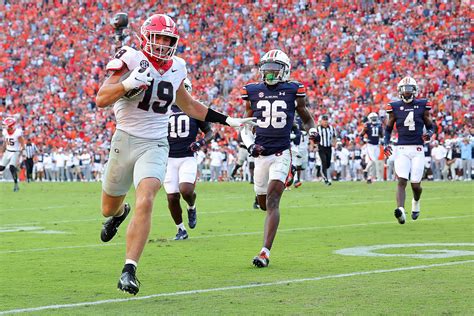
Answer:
x=13 y=144
x=142 y=86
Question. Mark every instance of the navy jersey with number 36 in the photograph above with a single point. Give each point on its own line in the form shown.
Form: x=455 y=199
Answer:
x=182 y=131
x=274 y=107
x=409 y=120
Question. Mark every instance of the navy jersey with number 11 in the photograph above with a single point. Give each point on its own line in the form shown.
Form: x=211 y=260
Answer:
x=409 y=120
x=274 y=107
x=373 y=132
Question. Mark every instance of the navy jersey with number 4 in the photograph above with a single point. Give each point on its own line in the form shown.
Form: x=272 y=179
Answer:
x=274 y=107
x=182 y=131
x=409 y=120
x=373 y=133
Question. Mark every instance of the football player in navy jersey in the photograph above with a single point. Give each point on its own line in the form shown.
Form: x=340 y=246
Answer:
x=181 y=170
x=273 y=101
x=373 y=130
x=410 y=115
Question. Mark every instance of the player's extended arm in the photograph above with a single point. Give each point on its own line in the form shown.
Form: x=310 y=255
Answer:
x=308 y=121
x=208 y=135
x=201 y=112
x=388 y=133
x=21 y=140
x=429 y=126
x=248 y=137
x=111 y=90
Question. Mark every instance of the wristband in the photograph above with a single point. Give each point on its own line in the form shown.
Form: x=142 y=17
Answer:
x=215 y=117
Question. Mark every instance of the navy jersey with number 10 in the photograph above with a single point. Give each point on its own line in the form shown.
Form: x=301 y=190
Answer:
x=182 y=131
x=409 y=120
x=274 y=107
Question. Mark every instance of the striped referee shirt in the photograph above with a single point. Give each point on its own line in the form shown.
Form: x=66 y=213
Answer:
x=30 y=150
x=327 y=134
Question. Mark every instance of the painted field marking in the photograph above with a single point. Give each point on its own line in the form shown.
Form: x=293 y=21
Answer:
x=229 y=288
x=369 y=251
x=234 y=234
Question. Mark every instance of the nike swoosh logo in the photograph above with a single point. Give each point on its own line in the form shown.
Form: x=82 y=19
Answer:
x=174 y=70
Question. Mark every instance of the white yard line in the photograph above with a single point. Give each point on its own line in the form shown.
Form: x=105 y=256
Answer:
x=283 y=207
x=236 y=234
x=230 y=288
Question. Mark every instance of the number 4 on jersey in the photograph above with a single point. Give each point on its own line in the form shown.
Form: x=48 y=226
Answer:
x=409 y=121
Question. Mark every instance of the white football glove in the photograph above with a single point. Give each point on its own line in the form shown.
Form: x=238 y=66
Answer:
x=237 y=122
x=139 y=78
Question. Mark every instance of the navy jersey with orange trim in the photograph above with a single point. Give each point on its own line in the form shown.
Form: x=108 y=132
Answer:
x=409 y=120
x=182 y=131
x=274 y=107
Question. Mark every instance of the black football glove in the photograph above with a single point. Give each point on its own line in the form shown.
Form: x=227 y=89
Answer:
x=255 y=150
x=387 y=150
x=427 y=136
x=196 y=145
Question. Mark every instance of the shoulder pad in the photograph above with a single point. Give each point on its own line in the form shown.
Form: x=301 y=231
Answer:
x=114 y=64
x=179 y=62
x=126 y=55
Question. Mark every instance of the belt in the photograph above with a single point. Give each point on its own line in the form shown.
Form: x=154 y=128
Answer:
x=13 y=151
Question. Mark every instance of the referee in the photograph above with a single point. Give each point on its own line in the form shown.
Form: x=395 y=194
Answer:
x=30 y=150
x=328 y=135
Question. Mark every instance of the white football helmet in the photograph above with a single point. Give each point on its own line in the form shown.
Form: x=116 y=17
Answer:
x=407 y=89
x=275 y=67
x=373 y=117
x=188 y=85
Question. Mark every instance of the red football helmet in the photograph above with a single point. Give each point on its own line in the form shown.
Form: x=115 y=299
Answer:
x=9 y=123
x=154 y=27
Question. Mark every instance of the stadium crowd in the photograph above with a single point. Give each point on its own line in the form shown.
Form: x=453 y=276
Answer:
x=350 y=57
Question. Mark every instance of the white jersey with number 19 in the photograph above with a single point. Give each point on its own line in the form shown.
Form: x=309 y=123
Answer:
x=146 y=115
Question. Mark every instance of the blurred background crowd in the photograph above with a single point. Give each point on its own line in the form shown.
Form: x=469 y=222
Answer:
x=350 y=56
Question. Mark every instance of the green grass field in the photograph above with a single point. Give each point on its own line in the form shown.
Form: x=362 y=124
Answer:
x=54 y=263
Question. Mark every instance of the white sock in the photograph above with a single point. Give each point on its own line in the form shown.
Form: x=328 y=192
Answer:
x=191 y=207
x=130 y=261
x=266 y=251
x=402 y=209
x=415 y=205
x=181 y=226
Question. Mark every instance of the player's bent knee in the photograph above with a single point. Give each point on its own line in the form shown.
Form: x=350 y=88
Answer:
x=173 y=198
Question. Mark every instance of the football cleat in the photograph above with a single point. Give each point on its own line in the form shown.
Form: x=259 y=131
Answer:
x=181 y=235
x=261 y=261
x=255 y=205
x=129 y=283
x=16 y=188
x=111 y=225
x=298 y=183
x=192 y=218
x=415 y=209
x=400 y=215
